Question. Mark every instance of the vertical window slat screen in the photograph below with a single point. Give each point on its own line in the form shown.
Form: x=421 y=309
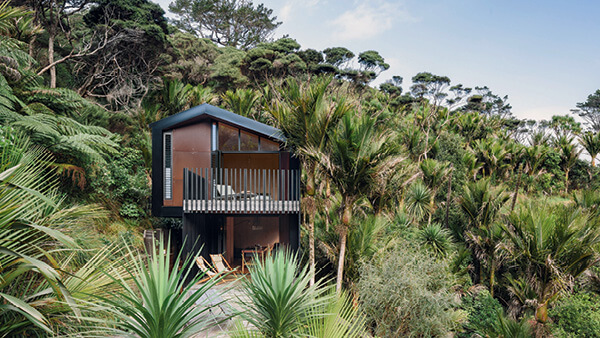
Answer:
x=168 y=165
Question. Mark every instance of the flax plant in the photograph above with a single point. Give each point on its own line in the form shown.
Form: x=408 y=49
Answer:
x=156 y=301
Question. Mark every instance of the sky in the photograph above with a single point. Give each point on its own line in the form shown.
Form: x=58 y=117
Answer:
x=543 y=54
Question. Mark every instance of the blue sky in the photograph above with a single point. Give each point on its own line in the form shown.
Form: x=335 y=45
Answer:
x=543 y=54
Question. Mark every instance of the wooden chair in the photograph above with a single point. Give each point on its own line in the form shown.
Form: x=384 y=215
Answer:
x=204 y=267
x=220 y=263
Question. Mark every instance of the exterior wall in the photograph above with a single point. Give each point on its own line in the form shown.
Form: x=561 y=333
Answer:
x=254 y=230
x=251 y=161
x=191 y=149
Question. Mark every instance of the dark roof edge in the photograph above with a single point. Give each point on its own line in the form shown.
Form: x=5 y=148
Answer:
x=220 y=114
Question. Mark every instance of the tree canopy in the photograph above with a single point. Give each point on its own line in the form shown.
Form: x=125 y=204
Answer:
x=236 y=23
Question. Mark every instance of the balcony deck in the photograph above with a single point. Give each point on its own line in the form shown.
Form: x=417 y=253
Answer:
x=241 y=191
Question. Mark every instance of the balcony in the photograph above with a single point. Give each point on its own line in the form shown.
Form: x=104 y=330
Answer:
x=241 y=191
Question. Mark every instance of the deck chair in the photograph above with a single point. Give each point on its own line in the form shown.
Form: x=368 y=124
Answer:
x=221 y=264
x=204 y=267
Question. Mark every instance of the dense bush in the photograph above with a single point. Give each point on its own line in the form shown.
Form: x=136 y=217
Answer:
x=406 y=292
x=123 y=184
x=482 y=312
x=577 y=315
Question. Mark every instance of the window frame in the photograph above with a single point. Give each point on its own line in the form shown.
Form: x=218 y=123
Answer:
x=167 y=183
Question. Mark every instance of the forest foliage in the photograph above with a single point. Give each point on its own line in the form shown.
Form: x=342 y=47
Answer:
x=433 y=207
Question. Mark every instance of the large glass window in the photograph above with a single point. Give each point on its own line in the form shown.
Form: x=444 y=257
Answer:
x=234 y=139
x=268 y=145
x=228 y=138
x=248 y=142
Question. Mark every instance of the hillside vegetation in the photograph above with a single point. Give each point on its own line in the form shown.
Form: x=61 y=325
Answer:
x=433 y=208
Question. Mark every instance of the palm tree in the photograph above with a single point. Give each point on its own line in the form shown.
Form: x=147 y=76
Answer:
x=306 y=115
x=357 y=155
x=591 y=143
x=434 y=174
x=550 y=246
x=242 y=102
x=174 y=97
x=481 y=204
x=493 y=154
x=568 y=154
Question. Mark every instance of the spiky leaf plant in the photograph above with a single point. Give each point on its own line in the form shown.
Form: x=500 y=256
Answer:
x=338 y=319
x=436 y=238
x=279 y=301
x=34 y=283
x=156 y=301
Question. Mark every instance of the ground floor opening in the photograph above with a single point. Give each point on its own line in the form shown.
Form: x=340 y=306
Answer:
x=230 y=235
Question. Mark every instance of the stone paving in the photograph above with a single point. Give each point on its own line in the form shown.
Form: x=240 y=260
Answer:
x=228 y=294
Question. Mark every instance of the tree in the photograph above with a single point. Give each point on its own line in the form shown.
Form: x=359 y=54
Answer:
x=590 y=110
x=430 y=86
x=563 y=125
x=122 y=71
x=550 y=247
x=591 y=143
x=358 y=154
x=236 y=23
x=307 y=117
x=372 y=61
x=434 y=175
x=393 y=86
x=54 y=16
x=568 y=154
x=338 y=56
x=481 y=203
x=488 y=103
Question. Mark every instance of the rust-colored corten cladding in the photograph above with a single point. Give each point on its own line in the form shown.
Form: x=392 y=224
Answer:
x=191 y=149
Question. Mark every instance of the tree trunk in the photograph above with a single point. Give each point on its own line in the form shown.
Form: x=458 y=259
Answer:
x=340 y=272
x=567 y=181
x=492 y=277
x=594 y=160
x=514 y=200
x=448 y=196
x=51 y=58
x=431 y=207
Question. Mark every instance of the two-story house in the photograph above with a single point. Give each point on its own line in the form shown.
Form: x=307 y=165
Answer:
x=229 y=177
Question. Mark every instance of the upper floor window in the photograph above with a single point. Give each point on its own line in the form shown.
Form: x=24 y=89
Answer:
x=234 y=139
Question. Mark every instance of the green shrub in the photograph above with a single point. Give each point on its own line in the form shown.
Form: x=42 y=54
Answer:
x=577 y=315
x=123 y=184
x=407 y=292
x=482 y=310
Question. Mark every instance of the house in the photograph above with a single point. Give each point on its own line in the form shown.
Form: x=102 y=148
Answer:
x=229 y=177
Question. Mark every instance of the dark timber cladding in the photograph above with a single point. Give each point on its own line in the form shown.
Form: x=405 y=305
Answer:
x=229 y=178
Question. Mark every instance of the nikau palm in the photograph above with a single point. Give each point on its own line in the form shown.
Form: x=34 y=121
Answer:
x=551 y=246
x=481 y=203
x=357 y=154
x=591 y=143
x=306 y=115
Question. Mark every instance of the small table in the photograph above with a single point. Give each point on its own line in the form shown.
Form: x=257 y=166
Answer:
x=254 y=251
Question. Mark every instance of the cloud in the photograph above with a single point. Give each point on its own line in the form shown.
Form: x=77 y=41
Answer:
x=285 y=13
x=367 y=20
